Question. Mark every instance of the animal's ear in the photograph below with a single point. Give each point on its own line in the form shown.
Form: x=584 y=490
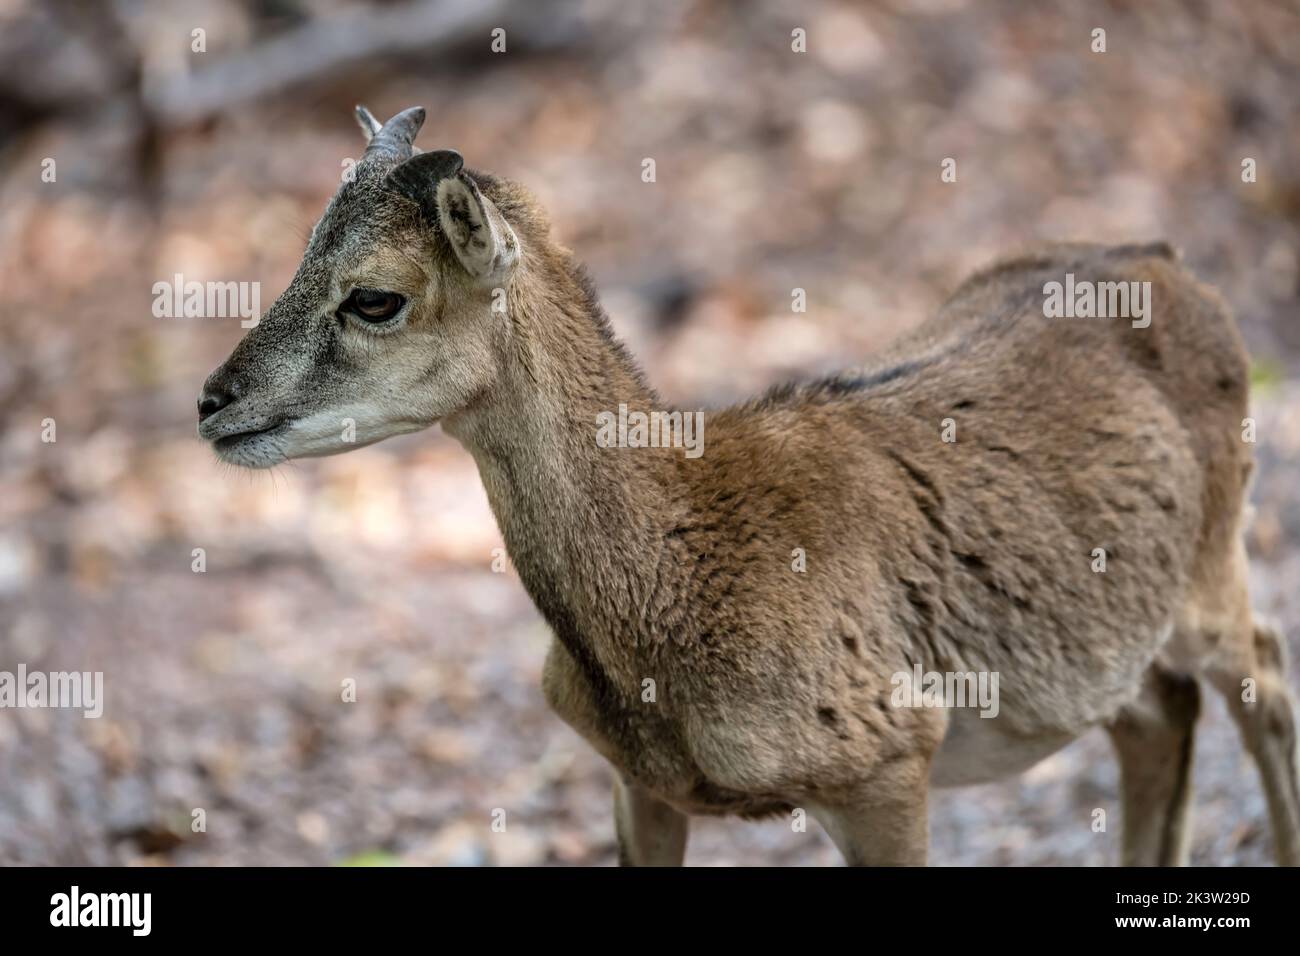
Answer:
x=369 y=125
x=418 y=177
x=479 y=235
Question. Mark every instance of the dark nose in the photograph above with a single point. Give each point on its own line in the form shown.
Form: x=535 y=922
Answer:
x=216 y=396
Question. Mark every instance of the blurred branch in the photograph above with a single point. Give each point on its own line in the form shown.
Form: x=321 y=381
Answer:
x=320 y=49
x=90 y=63
x=93 y=62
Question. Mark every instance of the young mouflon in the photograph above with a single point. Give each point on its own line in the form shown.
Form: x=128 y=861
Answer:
x=1050 y=506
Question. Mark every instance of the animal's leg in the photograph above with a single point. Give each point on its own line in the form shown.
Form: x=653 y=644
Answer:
x=1253 y=681
x=1153 y=739
x=888 y=826
x=650 y=832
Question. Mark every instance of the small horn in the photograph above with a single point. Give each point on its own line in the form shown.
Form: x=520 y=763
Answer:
x=397 y=136
x=369 y=125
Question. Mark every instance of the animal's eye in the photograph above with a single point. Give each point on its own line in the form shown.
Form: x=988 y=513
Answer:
x=372 y=305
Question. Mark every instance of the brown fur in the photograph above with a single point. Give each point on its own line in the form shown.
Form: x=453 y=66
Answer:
x=773 y=687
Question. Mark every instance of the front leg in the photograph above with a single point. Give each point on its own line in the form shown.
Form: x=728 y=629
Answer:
x=650 y=832
x=887 y=826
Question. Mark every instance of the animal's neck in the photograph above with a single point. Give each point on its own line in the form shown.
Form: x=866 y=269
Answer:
x=583 y=524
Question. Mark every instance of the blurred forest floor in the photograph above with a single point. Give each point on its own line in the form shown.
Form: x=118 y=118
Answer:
x=775 y=170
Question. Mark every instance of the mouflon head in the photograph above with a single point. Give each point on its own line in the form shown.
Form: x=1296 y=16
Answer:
x=394 y=320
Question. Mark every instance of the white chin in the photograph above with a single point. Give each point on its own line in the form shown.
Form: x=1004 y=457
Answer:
x=254 y=451
x=296 y=441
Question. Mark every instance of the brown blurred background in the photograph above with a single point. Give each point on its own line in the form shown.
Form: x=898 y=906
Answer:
x=775 y=170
